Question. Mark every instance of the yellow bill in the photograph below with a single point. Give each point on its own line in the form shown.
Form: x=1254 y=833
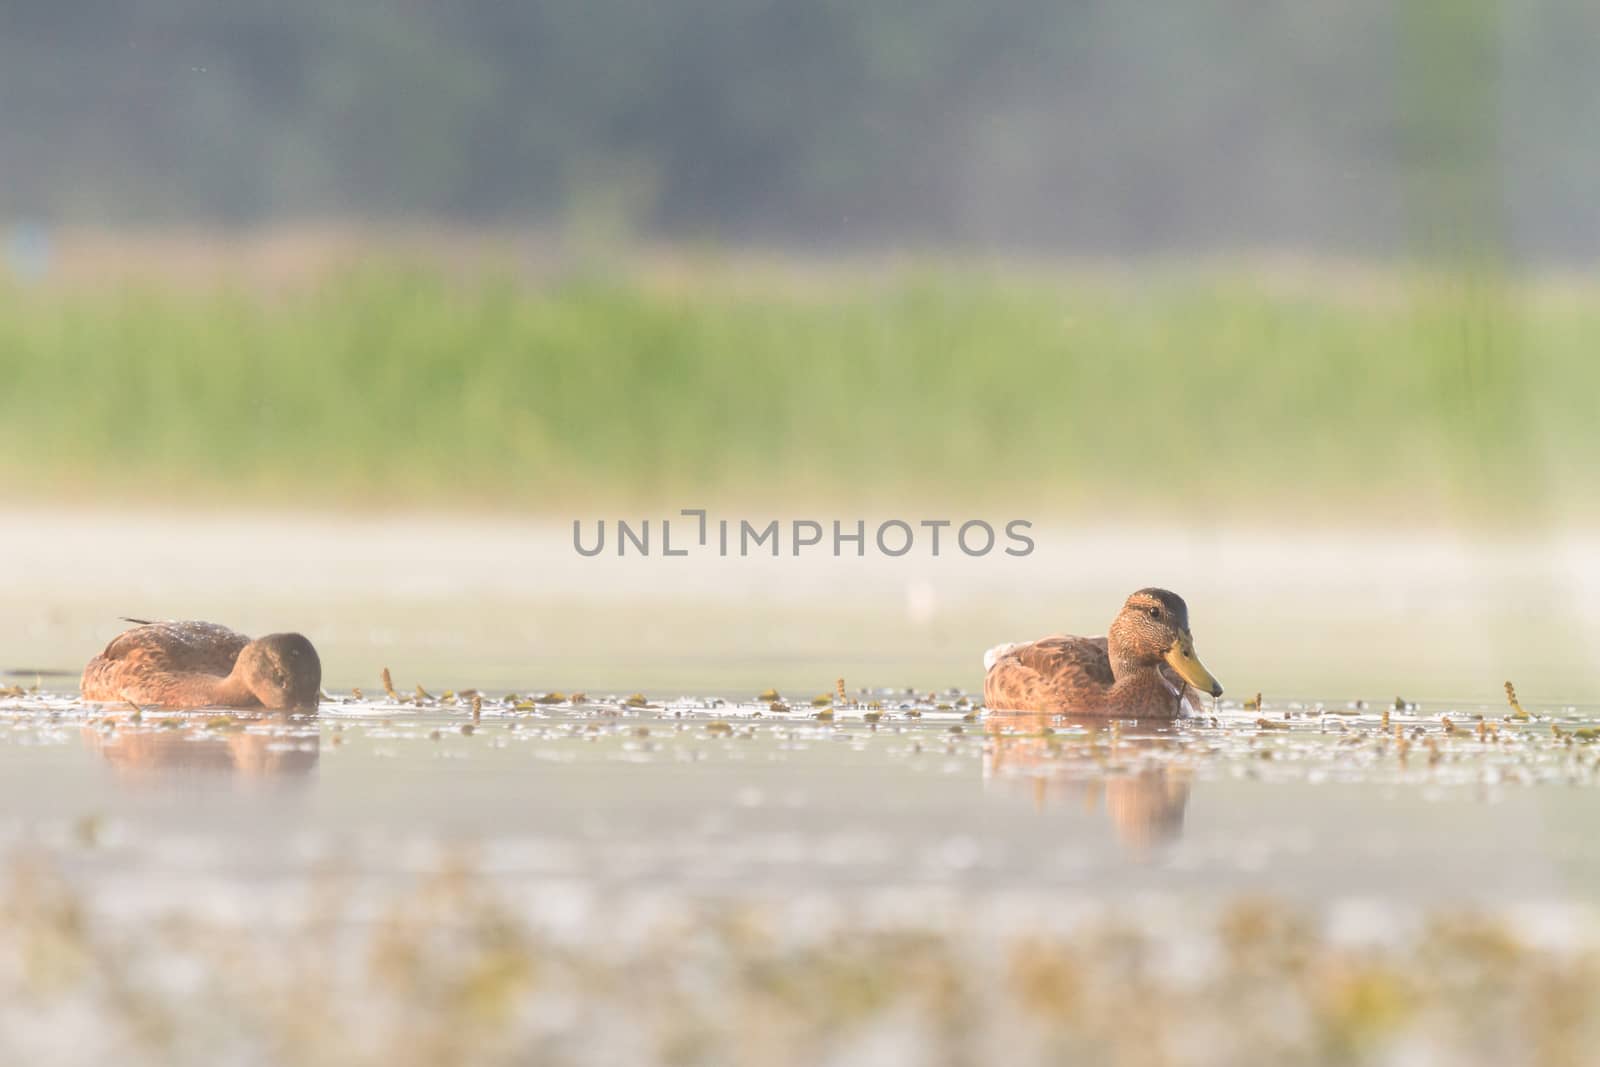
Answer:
x=1181 y=658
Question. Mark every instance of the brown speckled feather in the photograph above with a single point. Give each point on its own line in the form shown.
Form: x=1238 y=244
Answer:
x=163 y=663
x=1049 y=674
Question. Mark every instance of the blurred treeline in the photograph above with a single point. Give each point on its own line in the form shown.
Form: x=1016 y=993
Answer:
x=1360 y=127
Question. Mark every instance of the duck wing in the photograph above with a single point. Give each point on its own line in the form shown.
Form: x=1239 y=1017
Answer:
x=1059 y=673
x=189 y=647
x=1088 y=658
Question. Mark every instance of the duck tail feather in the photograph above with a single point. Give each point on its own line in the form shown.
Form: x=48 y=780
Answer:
x=991 y=657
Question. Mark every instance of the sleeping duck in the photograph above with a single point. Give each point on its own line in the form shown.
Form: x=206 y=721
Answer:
x=1145 y=667
x=202 y=664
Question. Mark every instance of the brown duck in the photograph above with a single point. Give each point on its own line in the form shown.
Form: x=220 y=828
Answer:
x=1145 y=668
x=202 y=664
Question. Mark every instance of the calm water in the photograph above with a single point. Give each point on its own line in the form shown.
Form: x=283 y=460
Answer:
x=703 y=796
x=703 y=881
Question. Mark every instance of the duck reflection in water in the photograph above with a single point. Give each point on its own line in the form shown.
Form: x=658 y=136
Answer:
x=240 y=749
x=1094 y=762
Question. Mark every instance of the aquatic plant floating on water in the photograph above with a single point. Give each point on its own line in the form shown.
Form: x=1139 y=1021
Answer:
x=1517 y=711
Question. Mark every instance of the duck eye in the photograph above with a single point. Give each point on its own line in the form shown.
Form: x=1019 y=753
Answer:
x=1155 y=613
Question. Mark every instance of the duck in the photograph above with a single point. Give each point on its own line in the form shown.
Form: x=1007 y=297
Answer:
x=1145 y=667
x=192 y=664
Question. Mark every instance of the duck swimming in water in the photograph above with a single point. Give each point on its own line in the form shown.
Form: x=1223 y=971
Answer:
x=1144 y=668
x=202 y=664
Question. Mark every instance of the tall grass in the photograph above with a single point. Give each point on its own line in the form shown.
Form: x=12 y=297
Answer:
x=981 y=386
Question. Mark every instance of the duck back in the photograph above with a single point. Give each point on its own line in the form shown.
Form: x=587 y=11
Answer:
x=163 y=663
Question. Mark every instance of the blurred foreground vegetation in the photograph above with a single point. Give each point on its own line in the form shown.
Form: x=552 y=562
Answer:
x=450 y=970
x=1065 y=391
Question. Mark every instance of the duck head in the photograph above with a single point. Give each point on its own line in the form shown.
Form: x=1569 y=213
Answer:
x=1153 y=628
x=281 y=670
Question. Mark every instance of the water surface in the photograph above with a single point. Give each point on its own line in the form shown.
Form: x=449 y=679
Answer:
x=699 y=880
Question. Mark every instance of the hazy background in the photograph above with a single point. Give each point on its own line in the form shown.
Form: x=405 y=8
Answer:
x=1198 y=287
x=1088 y=127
